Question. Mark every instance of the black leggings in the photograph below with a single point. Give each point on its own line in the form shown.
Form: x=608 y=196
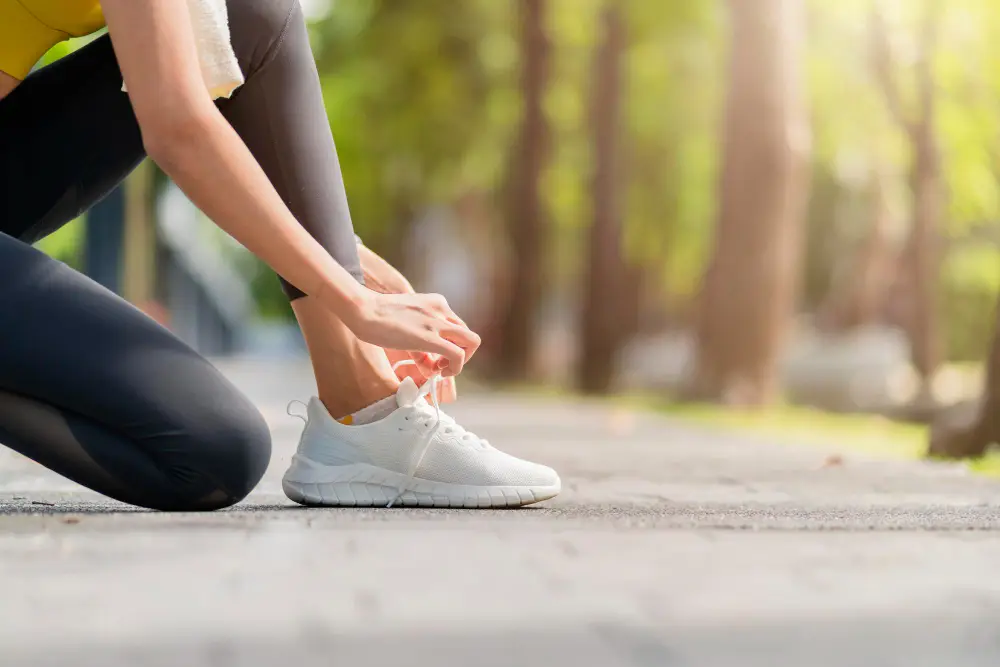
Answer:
x=89 y=386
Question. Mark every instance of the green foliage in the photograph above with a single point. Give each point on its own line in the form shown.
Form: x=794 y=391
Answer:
x=416 y=98
x=424 y=101
x=674 y=96
x=66 y=244
x=966 y=72
x=970 y=284
x=853 y=131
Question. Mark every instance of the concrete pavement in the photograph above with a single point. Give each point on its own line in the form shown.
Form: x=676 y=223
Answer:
x=670 y=545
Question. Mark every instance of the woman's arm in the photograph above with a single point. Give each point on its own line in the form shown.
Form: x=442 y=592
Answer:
x=187 y=136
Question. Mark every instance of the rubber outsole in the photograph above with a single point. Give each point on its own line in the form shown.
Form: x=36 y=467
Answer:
x=362 y=485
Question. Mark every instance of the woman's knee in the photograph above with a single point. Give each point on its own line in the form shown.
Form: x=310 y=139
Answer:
x=248 y=453
x=233 y=455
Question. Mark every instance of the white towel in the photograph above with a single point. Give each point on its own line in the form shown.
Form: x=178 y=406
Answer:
x=219 y=67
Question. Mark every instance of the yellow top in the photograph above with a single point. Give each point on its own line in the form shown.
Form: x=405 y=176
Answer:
x=29 y=28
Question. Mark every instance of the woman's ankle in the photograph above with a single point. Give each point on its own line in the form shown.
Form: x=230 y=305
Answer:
x=350 y=374
x=346 y=398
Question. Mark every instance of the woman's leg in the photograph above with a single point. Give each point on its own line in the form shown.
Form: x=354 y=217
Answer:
x=279 y=114
x=96 y=391
x=89 y=386
x=68 y=135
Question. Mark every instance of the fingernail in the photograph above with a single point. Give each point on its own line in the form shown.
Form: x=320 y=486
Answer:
x=443 y=363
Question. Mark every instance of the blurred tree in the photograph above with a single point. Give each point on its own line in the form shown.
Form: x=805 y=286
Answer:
x=857 y=143
x=673 y=93
x=748 y=295
x=967 y=96
x=525 y=214
x=967 y=430
x=858 y=294
x=409 y=90
x=610 y=285
x=854 y=224
x=920 y=265
x=139 y=242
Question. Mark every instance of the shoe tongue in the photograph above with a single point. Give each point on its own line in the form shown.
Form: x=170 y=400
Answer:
x=408 y=393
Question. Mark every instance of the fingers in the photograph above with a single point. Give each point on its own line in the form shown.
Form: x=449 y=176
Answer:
x=459 y=333
x=416 y=373
x=476 y=341
x=426 y=364
x=443 y=333
x=453 y=356
x=441 y=305
x=465 y=338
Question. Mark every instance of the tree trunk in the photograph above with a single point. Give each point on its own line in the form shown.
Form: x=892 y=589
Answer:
x=604 y=280
x=749 y=290
x=921 y=260
x=925 y=267
x=967 y=430
x=859 y=296
x=525 y=221
x=926 y=188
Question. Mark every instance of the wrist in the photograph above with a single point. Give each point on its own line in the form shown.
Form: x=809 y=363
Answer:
x=356 y=302
x=380 y=276
x=378 y=283
x=348 y=304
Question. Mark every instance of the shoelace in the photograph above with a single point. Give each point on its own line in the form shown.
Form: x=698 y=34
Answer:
x=429 y=389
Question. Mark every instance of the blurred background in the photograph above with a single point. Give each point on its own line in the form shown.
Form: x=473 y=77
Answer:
x=769 y=211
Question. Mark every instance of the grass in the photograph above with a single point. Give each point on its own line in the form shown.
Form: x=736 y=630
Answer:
x=869 y=434
x=802 y=425
x=988 y=465
x=788 y=424
x=797 y=425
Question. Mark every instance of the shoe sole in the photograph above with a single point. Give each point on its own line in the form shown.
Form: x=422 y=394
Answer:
x=361 y=485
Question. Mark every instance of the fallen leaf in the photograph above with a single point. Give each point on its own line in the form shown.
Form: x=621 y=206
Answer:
x=833 y=460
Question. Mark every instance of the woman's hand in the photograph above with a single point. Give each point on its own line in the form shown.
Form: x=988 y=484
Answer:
x=383 y=277
x=447 y=391
x=422 y=322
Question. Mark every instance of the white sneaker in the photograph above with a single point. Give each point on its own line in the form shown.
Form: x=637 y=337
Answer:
x=417 y=456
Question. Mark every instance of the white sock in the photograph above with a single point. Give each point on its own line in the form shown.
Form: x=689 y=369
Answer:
x=374 y=412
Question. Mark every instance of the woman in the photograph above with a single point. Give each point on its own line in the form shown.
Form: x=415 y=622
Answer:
x=94 y=390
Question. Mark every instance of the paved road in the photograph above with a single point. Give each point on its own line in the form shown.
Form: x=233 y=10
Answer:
x=669 y=546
